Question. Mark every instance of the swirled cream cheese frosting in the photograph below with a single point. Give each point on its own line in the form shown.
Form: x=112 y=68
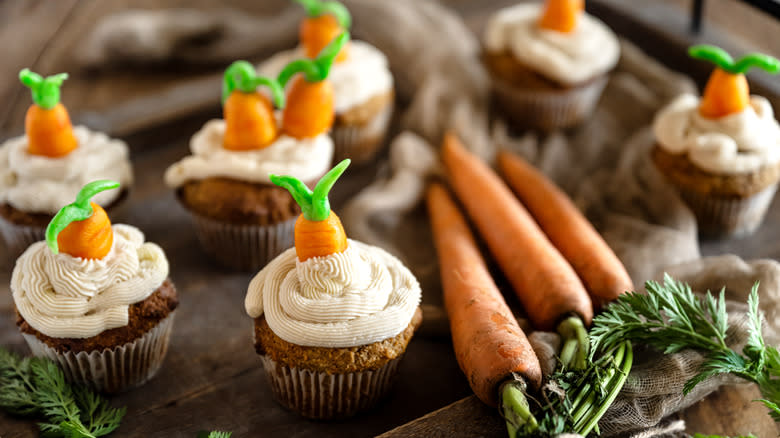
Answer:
x=357 y=297
x=363 y=75
x=38 y=184
x=737 y=143
x=69 y=297
x=306 y=159
x=568 y=58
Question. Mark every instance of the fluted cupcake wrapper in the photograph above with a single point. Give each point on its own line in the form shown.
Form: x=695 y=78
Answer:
x=722 y=217
x=112 y=370
x=244 y=247
x=324 y=396
x=361 y=143
x=18 y=237
x=548 y=110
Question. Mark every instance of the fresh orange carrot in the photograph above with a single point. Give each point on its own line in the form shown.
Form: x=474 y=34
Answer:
x=309 y=109
x=543 y=280
x=600 y=270
x=249 y=115
x=83 y=229
x=318 y=231
x=47 y=123
x=324 y=21
x=489 y=344
x=727 y=90
x=561 y=15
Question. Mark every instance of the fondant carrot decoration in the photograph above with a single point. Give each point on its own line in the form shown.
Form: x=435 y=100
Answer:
x=47 y=124
x=309 y=108
x=82 y=229
x=324 y=21
x=249 y=114
x=561 y=15
x=727 y=90
x=318 y=231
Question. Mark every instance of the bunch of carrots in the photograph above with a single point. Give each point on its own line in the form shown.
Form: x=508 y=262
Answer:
x=307 y=112
x=556 y=262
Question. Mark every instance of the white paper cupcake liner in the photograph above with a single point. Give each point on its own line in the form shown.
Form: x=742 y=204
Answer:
x=18 y=237
x=548 y=110
x=116 y=369
x=721 y=217
x=361 y=143
x=324 y=396
x=244 y=247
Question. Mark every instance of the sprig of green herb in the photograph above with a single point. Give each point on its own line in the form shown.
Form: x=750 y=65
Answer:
x=37 y=387
x=671 y=318
x=213 y=434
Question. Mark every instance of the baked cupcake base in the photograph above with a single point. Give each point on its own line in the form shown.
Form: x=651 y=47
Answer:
x=330 y=383
x=724 y=205
x=535 y=102
x=117 y=359
x=20 y=229
x=359 y=133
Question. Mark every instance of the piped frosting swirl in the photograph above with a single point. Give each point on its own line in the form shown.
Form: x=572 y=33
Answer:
x=357 y=297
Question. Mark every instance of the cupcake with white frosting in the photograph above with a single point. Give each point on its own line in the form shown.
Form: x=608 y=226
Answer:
x=44 y=169
x=333 y=316
x=362 y=82
x=548 y=63
x=95 y=298
x=241 y=219
x=722 y=151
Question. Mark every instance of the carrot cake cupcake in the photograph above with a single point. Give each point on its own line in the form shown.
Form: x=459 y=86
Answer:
x=362 y=82
x=548 y=63
x=240 y=217
x=722 y=151
x=95 y=298
x=333 y=316
x=44 y=169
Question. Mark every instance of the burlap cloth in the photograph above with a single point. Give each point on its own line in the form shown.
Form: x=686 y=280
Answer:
x=604 y=165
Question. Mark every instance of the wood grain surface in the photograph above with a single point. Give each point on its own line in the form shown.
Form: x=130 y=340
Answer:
x=212 y=379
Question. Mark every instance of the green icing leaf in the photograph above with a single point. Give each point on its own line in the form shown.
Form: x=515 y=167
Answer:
x=77 y=211
x=317 y=69
x=315 y=8
x=314 y=204
x=45 y=91
x=725 y=62
x=241 y=76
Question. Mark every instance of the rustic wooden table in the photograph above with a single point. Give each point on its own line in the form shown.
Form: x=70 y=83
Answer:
x=212 y=378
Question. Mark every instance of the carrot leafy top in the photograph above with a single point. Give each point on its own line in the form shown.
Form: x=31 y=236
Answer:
x=77 y=211
x=315 y=8
x=241 y=76
x=725 y=62
x=317 y=69
x=314 y=204
x=45 y=91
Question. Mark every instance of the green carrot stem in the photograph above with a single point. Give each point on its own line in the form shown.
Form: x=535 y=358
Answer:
x=45 y=91
x=315 y=8
x=575 y=342
x=241 y=76
x=77 y=211
x=617 y=380
x=317 y=69
x=725 y=62
x=515 y=408
x=314 y=204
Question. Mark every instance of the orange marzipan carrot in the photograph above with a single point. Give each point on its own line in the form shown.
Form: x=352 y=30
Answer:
x=489 y=344
x=47 y=123
x=317 y=32
x=318 y=231
x=561 y=15
x=600 y=270
x=82 y=228
x=309 y=111
x=543 y=280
